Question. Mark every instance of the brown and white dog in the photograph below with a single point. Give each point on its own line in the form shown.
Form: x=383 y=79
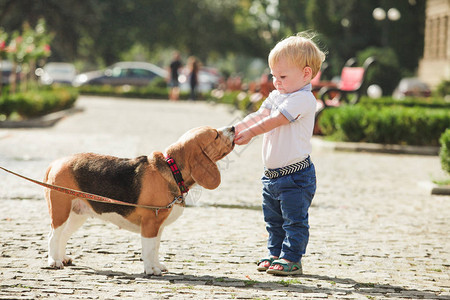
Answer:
x=145 y=180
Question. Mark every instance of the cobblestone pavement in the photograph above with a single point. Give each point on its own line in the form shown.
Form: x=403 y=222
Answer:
x=376 y=231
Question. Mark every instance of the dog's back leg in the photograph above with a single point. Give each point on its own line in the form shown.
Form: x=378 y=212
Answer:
x=64 y=221
x=58 y=238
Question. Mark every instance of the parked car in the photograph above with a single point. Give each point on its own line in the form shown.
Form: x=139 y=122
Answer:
x=208 y=79
x=56 y=72
x=411 y=87
x=6 y=68
x=122 y=73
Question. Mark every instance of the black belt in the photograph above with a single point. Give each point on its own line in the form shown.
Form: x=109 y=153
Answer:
x=274 y=173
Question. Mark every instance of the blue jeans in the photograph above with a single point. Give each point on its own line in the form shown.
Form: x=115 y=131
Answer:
x=286 y=201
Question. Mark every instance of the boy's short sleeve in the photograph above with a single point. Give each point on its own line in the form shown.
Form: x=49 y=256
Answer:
x=292 y=106
x=297 y=106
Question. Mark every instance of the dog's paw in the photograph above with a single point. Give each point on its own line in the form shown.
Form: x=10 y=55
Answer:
x=162 y=267
x=156 y=269
x=153 y=271
x=55 y=264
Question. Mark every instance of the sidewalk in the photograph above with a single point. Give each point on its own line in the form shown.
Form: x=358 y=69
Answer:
x=376 y=233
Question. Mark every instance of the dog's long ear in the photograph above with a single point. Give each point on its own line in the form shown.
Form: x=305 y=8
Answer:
x=205 y=172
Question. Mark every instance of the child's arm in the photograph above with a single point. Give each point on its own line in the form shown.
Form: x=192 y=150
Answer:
x=256 y=124
x=251 y=119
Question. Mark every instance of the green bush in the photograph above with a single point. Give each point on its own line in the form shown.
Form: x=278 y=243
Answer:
x=385 y=125
x=412 y=121
x=35 y=103
x=154 y=92
x=157 y=89
x=229 y=98
x=239 y=99
x=159 y=83
x=443 y=89
x=430 y=102
x=445 y=150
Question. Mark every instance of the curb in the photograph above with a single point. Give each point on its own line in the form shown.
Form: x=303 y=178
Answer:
x=375 y=148
x=441 y=190
x=434 y=189
x=41 y=122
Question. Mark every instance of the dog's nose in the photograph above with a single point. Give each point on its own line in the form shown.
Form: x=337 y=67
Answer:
x=227 y=130
x=232 y=131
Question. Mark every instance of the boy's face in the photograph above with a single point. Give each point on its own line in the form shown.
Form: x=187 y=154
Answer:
x=288 y=78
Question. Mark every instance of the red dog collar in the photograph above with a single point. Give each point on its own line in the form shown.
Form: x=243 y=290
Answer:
x=177 y=174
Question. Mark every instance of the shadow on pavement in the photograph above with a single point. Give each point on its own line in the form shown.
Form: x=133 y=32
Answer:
x=284 y=284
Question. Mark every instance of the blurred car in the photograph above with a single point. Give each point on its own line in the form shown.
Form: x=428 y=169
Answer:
x=411 y=87
x=208 y=79
x=122 y=73
x=6 y=69
x=56 y=72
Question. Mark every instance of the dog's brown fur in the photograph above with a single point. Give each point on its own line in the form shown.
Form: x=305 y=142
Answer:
x=145 y=180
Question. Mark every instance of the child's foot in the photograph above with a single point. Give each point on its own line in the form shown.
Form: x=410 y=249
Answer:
x=285 y=267
x=265 y=263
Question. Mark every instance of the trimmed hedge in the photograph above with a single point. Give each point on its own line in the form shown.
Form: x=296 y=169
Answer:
x=445 y=150
x=157 y=89
x=124 y=91
x=385 y=125
x=412 y=121
x=433 y=102
x=36 y=103
x=443 y=89
x=243 y=101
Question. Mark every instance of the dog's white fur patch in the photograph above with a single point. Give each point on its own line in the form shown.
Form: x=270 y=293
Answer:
x=58 y=238
x=150 y=246
x=150 y=255
x=176 y=212
x=120 y=222
x=81 y=211
x=80 y=207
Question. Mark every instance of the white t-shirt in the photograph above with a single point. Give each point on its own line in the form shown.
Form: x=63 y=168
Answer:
x=290 y=143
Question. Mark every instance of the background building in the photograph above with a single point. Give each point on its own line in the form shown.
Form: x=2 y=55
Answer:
x=434 y=67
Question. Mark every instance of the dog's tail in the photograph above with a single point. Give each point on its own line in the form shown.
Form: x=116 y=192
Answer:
x=46 y=173
x=47 y=191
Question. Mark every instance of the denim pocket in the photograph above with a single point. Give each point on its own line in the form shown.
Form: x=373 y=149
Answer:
x=304 y=179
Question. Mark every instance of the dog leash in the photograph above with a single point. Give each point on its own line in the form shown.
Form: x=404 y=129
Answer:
x=97 y=198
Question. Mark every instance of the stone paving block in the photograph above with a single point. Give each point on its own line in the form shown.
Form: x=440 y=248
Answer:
x=375 y=233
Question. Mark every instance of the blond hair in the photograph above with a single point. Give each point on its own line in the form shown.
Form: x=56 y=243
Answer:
x=299 y=50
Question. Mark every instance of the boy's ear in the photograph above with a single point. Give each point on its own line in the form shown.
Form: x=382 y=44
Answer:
x=307 y=72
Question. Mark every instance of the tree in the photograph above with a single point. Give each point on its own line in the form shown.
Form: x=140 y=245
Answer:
x=348 y=27
x=293 y=16
x=99 y=31
x=25 y=48
x=3 y=41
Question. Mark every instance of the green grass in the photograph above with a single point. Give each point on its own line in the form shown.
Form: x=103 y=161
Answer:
x=289 y=282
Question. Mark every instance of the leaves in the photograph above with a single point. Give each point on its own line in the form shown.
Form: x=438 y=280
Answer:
x=100 y=31
x=392 y=124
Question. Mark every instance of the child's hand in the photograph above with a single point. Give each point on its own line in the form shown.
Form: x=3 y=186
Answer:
x=243 y=137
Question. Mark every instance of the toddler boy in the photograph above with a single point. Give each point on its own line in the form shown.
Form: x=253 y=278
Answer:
x=286 y=118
